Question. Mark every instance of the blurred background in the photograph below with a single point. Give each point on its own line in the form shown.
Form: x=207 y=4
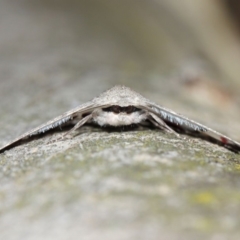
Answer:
x=192 y=47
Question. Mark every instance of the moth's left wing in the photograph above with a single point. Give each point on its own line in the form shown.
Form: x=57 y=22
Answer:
x=184 y=125
x=67 y=118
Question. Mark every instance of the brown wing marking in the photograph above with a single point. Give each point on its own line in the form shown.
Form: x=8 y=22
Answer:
x=184 y=125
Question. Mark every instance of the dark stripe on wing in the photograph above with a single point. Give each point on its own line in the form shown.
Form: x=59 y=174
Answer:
x=186 y=126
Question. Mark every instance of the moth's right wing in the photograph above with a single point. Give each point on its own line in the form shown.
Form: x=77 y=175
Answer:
x=184 y=125
x=67 y=118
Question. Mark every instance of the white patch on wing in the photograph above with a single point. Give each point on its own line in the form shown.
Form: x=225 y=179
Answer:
x=120 y=119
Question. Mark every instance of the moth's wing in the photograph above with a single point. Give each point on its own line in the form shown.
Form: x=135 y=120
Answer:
x=184 y=125
x=62 y=120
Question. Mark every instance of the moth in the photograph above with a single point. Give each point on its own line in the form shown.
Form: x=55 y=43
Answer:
x=121 y=107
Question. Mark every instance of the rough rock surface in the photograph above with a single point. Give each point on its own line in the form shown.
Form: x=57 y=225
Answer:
x=102 y=185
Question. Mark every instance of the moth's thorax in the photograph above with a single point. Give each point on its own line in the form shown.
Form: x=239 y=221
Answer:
x=120 y=95
x=119 y=116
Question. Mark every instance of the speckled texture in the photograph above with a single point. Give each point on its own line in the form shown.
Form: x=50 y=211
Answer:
x=102 y=185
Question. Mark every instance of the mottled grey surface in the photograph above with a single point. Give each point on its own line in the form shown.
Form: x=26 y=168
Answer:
x=102 y=185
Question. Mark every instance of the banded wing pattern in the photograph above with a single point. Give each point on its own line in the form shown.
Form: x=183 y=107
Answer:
x=59 y=121
x=189 y=127
x=123 y=98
